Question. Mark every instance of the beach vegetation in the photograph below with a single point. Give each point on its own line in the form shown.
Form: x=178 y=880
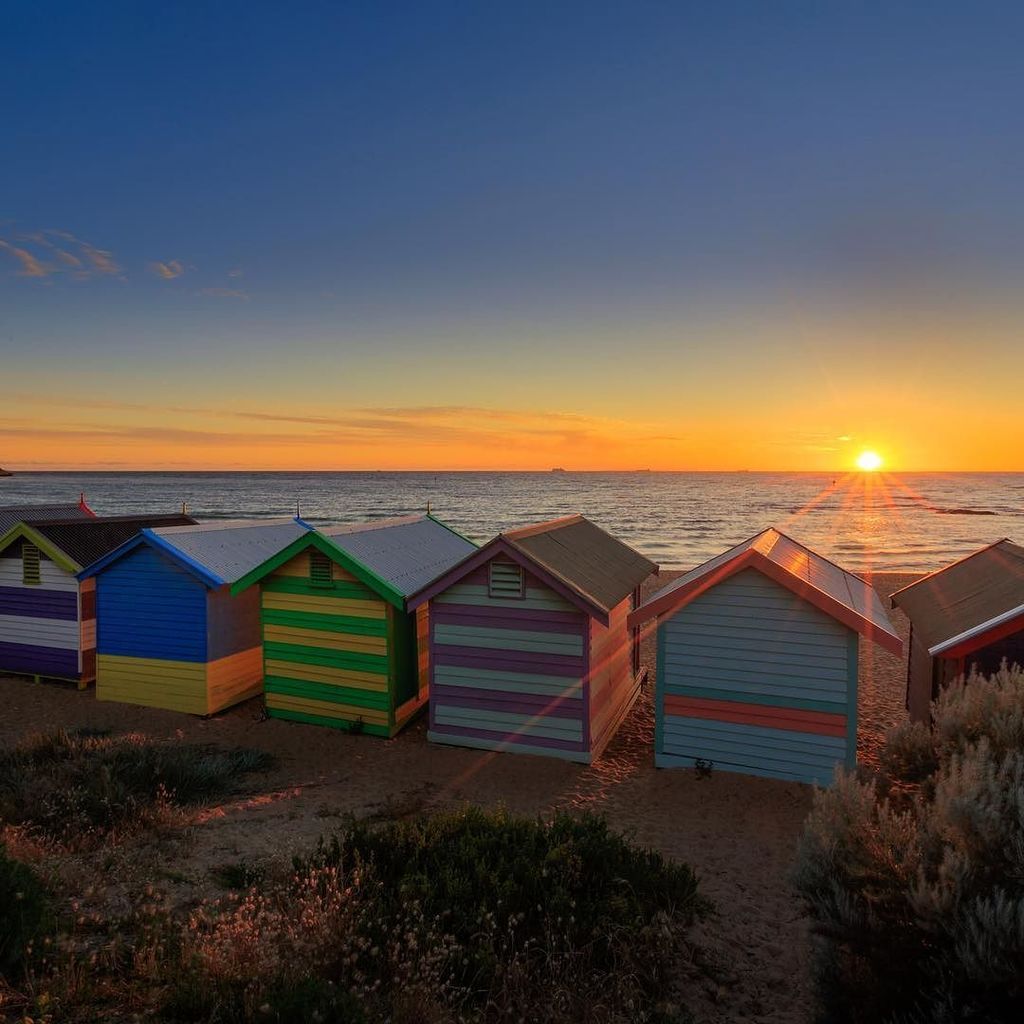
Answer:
x=77 y=789
x=24 y=912
x=463 y=915
x=915 y=876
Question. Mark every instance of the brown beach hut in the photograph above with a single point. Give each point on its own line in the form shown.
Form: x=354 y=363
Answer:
x=968 y=615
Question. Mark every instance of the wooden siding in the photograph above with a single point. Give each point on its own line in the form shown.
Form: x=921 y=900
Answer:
x=165 y=640
x=335 y=653
x=508 y=672
x=754 y=679
x=149 y=607
x=41 y=632
x=613 y=682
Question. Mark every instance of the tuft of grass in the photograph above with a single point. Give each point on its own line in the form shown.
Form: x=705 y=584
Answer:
x=24 y=913
x=239 y=876
x=77 y=788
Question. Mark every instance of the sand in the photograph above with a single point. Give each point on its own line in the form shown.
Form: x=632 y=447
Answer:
x=750 y=960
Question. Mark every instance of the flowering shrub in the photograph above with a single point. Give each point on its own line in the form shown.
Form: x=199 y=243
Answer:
x=459 y=916
x=916 y=878
x=76 y=788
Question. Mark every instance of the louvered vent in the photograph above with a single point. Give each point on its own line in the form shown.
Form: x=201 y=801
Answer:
x=30 y=565
x=505 y=580
x=320 y=574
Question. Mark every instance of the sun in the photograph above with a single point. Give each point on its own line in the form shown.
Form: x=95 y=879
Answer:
x=869 y=461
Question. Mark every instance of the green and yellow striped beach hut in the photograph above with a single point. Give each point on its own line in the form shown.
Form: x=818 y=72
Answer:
x=340 y=647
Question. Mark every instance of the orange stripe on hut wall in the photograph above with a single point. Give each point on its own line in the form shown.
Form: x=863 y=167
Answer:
x=823 y=723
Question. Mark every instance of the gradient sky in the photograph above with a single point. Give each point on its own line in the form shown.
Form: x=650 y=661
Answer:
x=480 y=235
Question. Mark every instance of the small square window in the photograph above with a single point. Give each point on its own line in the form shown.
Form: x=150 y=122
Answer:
x=321 y=573
x=505 y=579
x=30 y=571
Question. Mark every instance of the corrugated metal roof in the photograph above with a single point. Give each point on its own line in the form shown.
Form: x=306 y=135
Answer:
x=798 y=562
x=86 y=539
x=231 y=548
x=406 y=553
x=591 y=561
x=963 y=598
x=11 y=515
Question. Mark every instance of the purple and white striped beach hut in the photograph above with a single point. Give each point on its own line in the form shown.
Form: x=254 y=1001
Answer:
x=530 y=650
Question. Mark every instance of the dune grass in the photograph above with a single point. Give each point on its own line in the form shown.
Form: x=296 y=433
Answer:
x=75 y=789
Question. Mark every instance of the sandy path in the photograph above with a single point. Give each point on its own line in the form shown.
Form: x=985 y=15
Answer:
x=737 y=831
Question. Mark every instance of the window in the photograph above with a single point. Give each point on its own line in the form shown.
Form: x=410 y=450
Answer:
x=505 y=579
x=320 y=572
x=30 y=565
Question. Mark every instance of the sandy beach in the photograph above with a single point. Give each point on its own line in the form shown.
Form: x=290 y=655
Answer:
x=751 y=956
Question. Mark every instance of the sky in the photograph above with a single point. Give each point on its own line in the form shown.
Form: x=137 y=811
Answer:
x=511 y=236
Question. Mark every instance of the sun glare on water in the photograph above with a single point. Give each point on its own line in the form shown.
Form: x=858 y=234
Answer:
x=869 y=461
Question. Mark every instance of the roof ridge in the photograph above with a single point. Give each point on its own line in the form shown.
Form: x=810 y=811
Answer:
x=546 y=527
x=375 y=524
x=212 y=525
x=950 y=565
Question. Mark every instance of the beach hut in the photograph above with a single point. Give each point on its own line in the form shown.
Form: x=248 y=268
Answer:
x=529 y=646
x=340 y=647
x=11 y=515
x=48 y=617
x=968 y=615
x=757 y=661
x=169 y=634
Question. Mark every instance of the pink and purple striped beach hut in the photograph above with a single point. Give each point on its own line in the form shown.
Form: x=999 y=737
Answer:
x=530 y=650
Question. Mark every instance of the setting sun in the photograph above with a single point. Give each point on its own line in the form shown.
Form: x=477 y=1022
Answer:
x=869 y=461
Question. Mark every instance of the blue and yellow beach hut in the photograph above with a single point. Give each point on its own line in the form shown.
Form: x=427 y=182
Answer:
x=169 y=634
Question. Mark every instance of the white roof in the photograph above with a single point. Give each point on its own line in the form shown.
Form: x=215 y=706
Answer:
x=228 y=549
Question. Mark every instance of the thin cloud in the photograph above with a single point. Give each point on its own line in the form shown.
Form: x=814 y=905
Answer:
x=168 y=270
x=236 y=272
x=30 y=266
x=42 y=257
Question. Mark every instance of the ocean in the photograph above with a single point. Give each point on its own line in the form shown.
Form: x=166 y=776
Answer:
x=882 y=521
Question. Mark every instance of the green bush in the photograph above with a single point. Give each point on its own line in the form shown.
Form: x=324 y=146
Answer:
x=466 y=915
x=24 y=913
x=75 y=788
x=916 y=878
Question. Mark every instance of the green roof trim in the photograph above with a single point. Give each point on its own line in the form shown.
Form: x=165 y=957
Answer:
x=332 y=551
x=451 y=529
x=54 y=553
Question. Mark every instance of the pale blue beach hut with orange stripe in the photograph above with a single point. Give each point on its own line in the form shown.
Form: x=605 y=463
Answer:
x=757 y=655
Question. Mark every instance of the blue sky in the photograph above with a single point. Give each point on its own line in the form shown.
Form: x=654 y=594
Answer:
x=534 y=208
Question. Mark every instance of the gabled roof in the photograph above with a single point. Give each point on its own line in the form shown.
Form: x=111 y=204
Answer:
x=11 y=515
x=967 y=599
x=587 y=565
x=75 y=543
x=394 y=557
x=216 y=552
x=841 y=594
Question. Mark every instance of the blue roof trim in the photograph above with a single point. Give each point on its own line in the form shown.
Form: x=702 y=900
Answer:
x=146 y=536
x=302 y=522
x=211 y=579
x=111 y=556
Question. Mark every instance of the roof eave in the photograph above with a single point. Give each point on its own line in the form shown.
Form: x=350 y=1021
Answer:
x=978 y=633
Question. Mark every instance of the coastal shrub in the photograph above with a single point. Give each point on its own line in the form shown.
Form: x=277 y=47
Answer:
x=75 y=788
x=465 y=915
x=915 y=878
x=24 y=913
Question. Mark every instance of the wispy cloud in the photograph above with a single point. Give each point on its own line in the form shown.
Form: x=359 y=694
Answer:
x=223 y=293
x=168 y=270
x=30 y=266
x=236 y=272
x=43 y=254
